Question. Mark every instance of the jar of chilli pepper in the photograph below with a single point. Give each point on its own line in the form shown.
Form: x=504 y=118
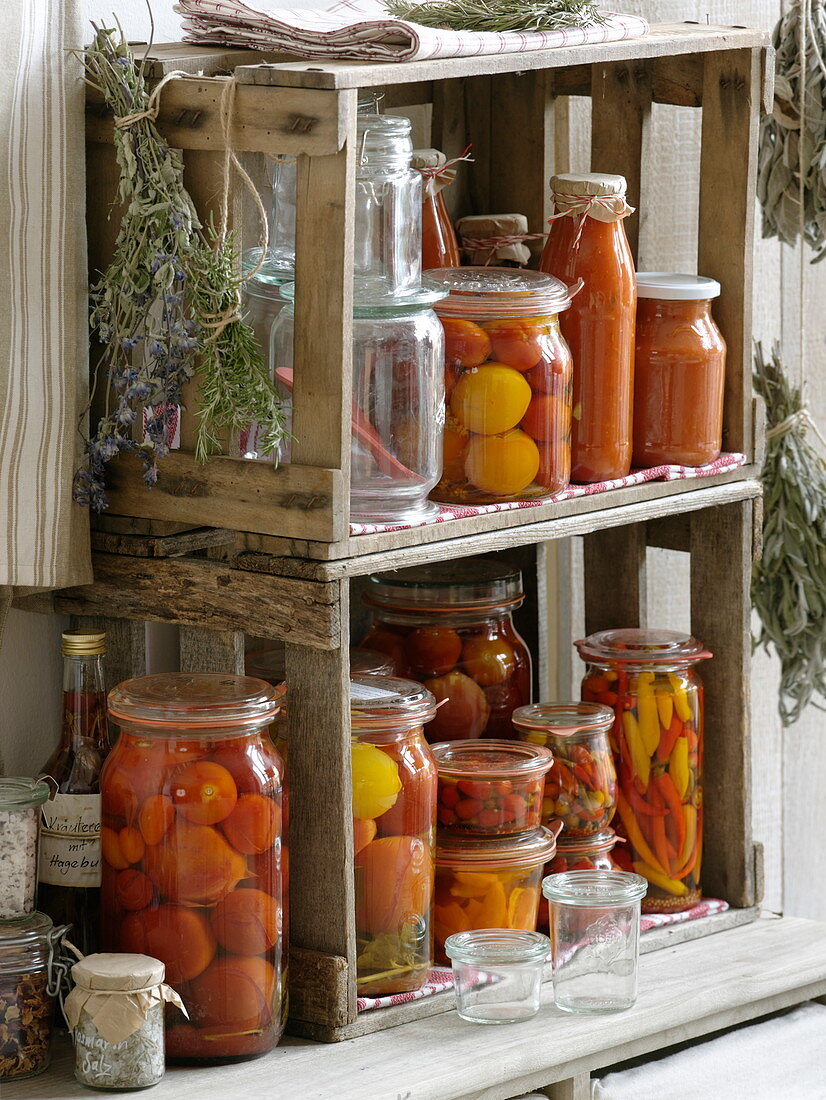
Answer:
x=507 y=385
x=394 y=826
x=649 y=678
x=581 y=788
x=450 y=626
x=192 y=854
x=489 y=787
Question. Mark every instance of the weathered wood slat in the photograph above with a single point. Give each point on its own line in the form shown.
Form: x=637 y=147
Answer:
x=211 y=650
x=615 y=593
x=676 y=80
x=162 y=546
x=125 y=646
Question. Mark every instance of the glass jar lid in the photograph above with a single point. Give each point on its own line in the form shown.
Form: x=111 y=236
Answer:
x=594 y=889
x=82 y=643
x=670 y=287
x=382 y=702
x=491 y=292
x=586 y=845
x=528 y=849
x=640 y=648
x=465 y=584
x=194 y=700
x=370 y=303
x=18 y=792
x=28 y=943
x=497 y=946
x=563 y=719
x=383 y=141
x=488 y=758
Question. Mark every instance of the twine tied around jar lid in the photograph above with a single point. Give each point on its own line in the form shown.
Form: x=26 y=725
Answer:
x=499 y=237
x=118 y=991
x=589 y=195
x=436 y=170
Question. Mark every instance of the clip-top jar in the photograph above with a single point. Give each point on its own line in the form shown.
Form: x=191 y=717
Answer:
x=450 y=625
x=507 y=385
x=648 y=678
x=192 y=856
x=394 y=825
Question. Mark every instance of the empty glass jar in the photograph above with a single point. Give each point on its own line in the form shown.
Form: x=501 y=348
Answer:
x=498 y=973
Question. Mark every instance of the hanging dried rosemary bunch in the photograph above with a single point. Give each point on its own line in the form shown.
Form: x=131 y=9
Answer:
x=789 y=582
x=783 y=149
x=499 y=15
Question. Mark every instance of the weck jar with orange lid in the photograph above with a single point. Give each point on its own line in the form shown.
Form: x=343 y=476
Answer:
x=450 y=626
x=648 y=677
x=507 y=385
x=680 y=371
x=192 y=854
x=394 y=826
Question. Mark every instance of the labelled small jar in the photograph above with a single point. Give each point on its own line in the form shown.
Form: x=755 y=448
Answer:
x=490 y=788
x=20 y=802
x=581 y=788
x=489 y=882
x=497 y=973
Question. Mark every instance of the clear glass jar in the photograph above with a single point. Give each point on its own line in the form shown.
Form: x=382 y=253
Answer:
x=581 y=853
x=595 y=939
x=507 y=385
x=657 y=740
x=497 y=974
x=488 y=882
x=581 y=788
x=440 y=248
x=29 y=980
x=587 y=241
x=388 y=209
x=398 y=403
x=450 y=625
x=394 y=825
x=192 y=854
x=20 y=802
x=680 y=371
x=490 y=788
x=278 y=266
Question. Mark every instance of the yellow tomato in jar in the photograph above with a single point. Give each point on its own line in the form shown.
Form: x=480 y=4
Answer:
x=491 y=399
x=376 y=782
x=502 y=464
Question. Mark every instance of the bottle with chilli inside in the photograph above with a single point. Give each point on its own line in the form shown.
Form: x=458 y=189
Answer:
x=69 y=866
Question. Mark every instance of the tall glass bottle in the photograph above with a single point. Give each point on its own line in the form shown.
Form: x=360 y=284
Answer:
x=69 y=866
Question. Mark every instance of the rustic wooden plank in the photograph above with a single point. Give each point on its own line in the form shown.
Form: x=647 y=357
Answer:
x=670 y=533
x=195 y=592
x=162 y=546
x=615 y=594
x=211 y=650
x=450 y=131
x=728 y=172
x=720 y=616
x=137 y=525
x=319 y=989
x=572 y=1088
x=675 y=80
x=167 y=57
x=125 y=646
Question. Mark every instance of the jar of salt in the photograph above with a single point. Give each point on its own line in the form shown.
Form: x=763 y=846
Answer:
x=116 y=1014
x=20 y=802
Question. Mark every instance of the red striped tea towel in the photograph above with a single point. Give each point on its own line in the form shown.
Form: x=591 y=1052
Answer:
x=362 y=30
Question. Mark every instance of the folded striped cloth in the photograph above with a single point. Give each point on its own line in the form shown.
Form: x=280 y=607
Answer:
x=363 y=30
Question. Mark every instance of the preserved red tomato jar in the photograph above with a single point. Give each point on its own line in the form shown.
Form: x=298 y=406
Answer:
x=680 y=371
x=657 y=739
x=450 y=626
x=489 y=882
x=192 y=854
x=507 y=385
x=581 y=788
x=587 y=241
x=394 y=826
x=490 y=788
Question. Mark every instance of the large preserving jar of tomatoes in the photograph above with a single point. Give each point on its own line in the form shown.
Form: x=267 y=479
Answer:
x=450 y=625
x=587 y=241
x=192 y=856
x=394 y=826
x=680 y=371
x=648 y=678
x=507 y=385
x=440 y=247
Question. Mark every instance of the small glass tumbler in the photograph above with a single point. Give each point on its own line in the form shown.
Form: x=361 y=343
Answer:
x=498 y=973
x=595 y=938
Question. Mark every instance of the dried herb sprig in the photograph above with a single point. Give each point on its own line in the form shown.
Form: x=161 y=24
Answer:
x=499 y=15
x=789 y=582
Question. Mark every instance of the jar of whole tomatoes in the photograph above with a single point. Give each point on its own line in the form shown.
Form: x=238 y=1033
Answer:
x=489 y=882
x=450 y=626
x=581 y=788
x=649 y=679
x=192 y=854
x=507 y=385
x=394 y=826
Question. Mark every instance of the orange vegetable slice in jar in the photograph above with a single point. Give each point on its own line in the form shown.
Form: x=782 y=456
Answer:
x=394 y=884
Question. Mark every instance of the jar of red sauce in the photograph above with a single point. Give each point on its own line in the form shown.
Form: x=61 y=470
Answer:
x=192 y=856
x=440 y=248
x=450 y=626
x=680 y=371
x=587 y=241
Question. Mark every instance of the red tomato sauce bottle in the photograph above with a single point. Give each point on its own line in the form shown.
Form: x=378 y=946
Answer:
x=587 y=241
x=440 y=248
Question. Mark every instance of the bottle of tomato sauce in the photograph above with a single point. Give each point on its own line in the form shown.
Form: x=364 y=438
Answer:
x=587 y=241
x=440 y=248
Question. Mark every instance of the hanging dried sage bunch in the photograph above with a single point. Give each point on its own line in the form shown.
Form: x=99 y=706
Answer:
x=498 y=15
x=783 y=148
x=789 y=582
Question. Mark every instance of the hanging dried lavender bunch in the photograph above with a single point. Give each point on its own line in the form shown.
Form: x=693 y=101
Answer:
x=783 y=149
x=498 y=15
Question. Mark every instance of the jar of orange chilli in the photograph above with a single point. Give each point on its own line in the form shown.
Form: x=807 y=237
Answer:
x=648 y=677
x=192 y=854
x=450 y=626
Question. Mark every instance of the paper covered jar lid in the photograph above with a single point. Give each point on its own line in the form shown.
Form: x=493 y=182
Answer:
x=118 y=973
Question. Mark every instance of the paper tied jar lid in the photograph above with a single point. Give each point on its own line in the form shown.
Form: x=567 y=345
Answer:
x=590 y=194
x=118 y=973
x=588 y=184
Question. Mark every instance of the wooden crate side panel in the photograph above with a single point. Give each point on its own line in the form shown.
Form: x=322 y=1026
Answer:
x=615 y=575
x=211 y=650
